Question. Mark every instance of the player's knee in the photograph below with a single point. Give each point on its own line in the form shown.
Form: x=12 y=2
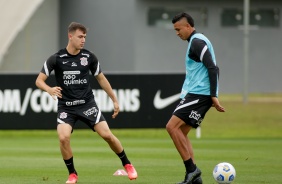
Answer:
x=169 y=128
x=64 y=139
x=108 y=137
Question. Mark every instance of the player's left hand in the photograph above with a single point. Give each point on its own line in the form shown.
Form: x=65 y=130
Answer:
x=116 y=110
x=217 y=105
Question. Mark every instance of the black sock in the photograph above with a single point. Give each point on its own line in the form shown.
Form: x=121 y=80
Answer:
x=70 y=165
x=189 y=165
x=123 y=158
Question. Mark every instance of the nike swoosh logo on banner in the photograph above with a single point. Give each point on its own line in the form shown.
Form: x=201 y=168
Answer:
x=161 y=103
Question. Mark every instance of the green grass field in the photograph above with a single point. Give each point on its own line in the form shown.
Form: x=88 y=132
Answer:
x=249 y=136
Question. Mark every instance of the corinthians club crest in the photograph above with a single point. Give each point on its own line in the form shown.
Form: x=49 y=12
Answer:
x=83 y=61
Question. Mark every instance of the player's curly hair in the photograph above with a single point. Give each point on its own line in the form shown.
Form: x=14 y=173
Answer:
x=75 y=26
x=181 y=15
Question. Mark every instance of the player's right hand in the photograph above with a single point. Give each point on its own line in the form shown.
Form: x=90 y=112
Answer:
x=55 y=92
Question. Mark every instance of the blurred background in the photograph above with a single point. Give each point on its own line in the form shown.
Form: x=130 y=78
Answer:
x=136 y=36
x=143 y=59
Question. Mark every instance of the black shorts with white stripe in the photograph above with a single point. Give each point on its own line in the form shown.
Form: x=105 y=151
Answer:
x=89 y=113
x=192 y=109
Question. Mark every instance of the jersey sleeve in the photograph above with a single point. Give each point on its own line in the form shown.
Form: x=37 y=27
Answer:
x=200 y=48
x=95 y=65
x=49 y=65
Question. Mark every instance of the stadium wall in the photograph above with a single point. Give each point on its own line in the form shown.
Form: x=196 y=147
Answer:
x=124 y=42
x=120 y=36
x=146 y=101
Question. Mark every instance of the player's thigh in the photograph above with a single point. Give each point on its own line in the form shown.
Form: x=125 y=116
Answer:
x=64 y=130
x=185 y=129
x=66 y=118
x=174 y=122
x=102 y=128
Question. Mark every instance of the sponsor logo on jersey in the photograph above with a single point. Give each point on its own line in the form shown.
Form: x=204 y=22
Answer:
x=76 y=102
x=63 y=55
x=70 y=78
x=92 y=111
x=71 y=72
x=83 y=61
x=73 y=64
x=87 y=55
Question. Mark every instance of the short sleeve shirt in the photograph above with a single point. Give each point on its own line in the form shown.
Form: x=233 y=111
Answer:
x=72 y=73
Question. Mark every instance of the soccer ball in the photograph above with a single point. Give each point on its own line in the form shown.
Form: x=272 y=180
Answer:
x=224 y=173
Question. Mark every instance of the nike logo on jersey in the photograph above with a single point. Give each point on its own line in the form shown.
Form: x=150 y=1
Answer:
x=161 y=103
x=64 y=62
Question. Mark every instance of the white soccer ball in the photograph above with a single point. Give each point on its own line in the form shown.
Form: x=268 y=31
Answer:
x=224 y=173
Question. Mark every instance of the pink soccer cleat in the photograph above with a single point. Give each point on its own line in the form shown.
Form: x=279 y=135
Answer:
x=72 y=178
x=132 y=174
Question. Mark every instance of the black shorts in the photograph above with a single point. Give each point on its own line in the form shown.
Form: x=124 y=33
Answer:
x=89 y=113
x=192 y=109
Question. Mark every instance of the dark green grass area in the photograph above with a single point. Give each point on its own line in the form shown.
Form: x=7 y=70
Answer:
x=248 y=136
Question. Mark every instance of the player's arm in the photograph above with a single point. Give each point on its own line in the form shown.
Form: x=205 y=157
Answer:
x=44 y=74
x=41 y=84
x=213 y=76
x=106 y=86
x=200 y=49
